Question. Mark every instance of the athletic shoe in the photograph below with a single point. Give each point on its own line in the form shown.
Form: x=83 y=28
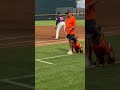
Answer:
x=56 y=38
x=70 y=52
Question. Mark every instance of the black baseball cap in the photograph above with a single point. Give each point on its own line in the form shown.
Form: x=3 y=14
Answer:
x=58 y=12
x=68 y=11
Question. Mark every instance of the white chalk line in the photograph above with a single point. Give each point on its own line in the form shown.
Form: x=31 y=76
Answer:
x=14 y=78
x=18 y=84
x=9 y=80
x=42 y=59
x=17 y=37
x=39 y=60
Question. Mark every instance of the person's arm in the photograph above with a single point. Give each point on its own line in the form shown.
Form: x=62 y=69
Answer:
x=92 y=3
x=72 y=27
x=57 y=22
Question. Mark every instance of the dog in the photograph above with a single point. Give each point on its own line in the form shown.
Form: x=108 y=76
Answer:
x=102 y=49
x=76 y=46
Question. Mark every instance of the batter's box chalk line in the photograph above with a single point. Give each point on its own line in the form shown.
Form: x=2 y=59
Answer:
x=10 y=81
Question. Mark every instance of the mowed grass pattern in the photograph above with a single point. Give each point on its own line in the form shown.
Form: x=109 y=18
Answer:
x=66 y=73
x=53 y=22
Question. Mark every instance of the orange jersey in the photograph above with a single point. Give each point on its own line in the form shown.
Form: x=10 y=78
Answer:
x=102 y=49
x=77 y=45
x=70 y=22
x=91 y=12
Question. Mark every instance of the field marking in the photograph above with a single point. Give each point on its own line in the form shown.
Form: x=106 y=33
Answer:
x=14 y=78
x=9 y=80
x=18 y=84
x=17 y=37
x=39 y=60
x=54 y=57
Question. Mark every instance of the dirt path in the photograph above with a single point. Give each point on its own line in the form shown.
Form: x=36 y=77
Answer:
x=45 y=35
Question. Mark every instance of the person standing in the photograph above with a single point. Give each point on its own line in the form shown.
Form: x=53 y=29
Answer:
x=90 y=24
x=70 y=29
x=60 y=23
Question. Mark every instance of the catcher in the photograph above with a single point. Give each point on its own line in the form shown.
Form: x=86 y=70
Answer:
x=102 y=49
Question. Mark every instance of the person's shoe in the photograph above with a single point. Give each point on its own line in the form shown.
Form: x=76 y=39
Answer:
x=56 y=38
x=70 y=52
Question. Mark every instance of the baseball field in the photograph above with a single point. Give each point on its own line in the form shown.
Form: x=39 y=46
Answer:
x=54 y=69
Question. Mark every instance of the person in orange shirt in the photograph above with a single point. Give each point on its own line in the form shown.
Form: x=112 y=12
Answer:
x=102 y=49
x=90 y=24
x=70 y=29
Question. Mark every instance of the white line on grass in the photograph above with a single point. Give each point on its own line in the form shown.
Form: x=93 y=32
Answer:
x=54 y=57
x=38 y=60
x=18 y=84
x=41 y=60
x=14 y=78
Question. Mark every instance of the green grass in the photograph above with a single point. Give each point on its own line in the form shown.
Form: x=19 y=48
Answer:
x=16 y=62
x=66 y=73
x=107 y=78
x=52 y=23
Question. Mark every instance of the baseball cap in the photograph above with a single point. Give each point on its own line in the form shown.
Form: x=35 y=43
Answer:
x=68 y=11
x=58 y=12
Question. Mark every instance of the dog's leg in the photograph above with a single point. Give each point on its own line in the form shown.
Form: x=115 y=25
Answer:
x=112 y=56
x=97 y=61
x=106 y=60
